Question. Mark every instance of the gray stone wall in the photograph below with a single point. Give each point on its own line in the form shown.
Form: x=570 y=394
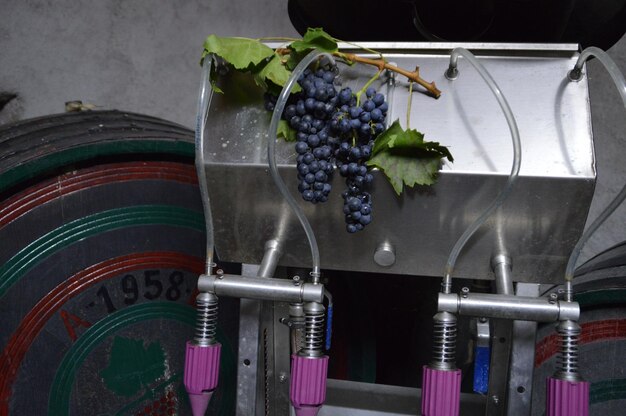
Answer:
x=136 y=55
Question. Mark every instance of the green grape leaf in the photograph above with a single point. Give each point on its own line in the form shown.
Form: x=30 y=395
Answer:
x=216 y=88
x=406 y=170
x=213 y=79
x=406 y=159
x=315 y=39
x=132 y=366
x=285 y=131
x=242 y=53
x=273 y=71
x=382 y=141
x=294 y=58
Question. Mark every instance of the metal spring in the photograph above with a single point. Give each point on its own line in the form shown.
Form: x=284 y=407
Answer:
x=206 y=320
x=567 y=360
x=314 y=333
x=444 y=342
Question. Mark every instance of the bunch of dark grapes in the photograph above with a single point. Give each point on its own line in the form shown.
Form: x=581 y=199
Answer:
x=332 y=129
x=357 y=126
x=309 y=116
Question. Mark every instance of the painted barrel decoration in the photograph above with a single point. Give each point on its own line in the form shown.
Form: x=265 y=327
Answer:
x=101 y=242
x=600 y=289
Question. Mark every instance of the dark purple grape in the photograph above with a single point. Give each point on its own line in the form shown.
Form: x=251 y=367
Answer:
x=301 y=147
x=376 y=115
x=345 y=95
x=289 y=112
x=368 y=105
x=303 y=169
x=308 y=158
x=378 y=99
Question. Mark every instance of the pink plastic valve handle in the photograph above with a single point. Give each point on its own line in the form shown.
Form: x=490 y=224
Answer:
x=441 y=392
x=202 y=367
x=308 y=384
x=567 y=398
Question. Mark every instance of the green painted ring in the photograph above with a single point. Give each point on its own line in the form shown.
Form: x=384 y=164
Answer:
x=76 y=230
x=60 y=391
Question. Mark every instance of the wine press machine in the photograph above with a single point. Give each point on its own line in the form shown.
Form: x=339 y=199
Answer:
x=529 y=205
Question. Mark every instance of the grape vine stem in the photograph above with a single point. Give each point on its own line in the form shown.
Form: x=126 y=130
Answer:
x=381 y=64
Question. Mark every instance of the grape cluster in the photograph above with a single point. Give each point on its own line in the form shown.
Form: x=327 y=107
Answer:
x=333 y=129
x=309 y=116
x=357 y=126
x=269 y=101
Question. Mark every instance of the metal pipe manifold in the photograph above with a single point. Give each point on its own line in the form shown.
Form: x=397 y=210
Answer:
x=519 y=308
x=261 y=288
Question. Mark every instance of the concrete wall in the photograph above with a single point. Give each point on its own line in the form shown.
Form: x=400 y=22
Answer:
x=142 y=56
x=137 y=55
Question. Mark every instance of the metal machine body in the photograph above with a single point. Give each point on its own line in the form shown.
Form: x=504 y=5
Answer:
x=412 y=235
x=539 y=223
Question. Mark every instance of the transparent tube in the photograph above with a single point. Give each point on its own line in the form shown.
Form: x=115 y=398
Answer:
x=204 y=99
x=517 y=160
x=618 y=79
x=271 y=156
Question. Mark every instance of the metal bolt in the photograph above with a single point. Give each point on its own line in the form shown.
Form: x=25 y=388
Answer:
x=220 y=273
x=465 y=292
x=282 y=377
x=553 y=297
x=286 y=321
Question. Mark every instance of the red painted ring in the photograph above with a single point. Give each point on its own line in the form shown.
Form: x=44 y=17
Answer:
x=67 y=183
x=35 y=320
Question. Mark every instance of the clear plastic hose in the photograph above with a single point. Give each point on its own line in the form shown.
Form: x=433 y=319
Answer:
x=204 y=99
x=271 y=156
x=618 y=79
x=517 y=159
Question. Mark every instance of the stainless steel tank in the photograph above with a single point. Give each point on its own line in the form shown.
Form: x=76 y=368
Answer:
x=537 y=226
